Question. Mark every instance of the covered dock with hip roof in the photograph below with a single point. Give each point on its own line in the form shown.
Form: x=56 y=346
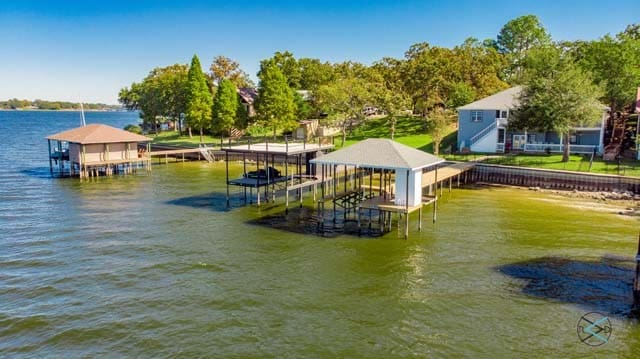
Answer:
x=97 y=149
x=397 y=189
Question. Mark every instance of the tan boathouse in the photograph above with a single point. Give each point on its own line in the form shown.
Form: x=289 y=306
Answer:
x=97 y=149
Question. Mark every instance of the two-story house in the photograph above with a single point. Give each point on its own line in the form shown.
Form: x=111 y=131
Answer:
x=483 y=127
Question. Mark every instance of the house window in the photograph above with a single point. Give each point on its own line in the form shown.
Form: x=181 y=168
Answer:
x=501 y=135
x=476 y=116
x=531 y=138
x=501 y=114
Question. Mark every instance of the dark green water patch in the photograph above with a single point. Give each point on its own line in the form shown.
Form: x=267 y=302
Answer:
x=603 y=285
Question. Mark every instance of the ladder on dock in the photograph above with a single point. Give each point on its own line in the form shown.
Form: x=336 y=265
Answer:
x=206 y=153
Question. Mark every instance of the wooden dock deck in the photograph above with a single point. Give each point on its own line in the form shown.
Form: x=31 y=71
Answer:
x=446 y=172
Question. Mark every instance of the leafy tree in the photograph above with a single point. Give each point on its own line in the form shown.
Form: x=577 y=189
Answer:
x=479 y=67
x=275 y=106
x=461 y=94
x=344 y=100
x=162 y=94
x=517 y=37
x=429 y=74
x=314 y=73
x=559 y=97
x=225 y=107
x=288 y=65
x=303 y=107
x=521 y=34
x=225 y=68
x=615 y=64
x=439 y=120
x=199 y=99
x=388 y=90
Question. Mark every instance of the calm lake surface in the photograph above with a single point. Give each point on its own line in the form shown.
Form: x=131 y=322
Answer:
x=153 y=266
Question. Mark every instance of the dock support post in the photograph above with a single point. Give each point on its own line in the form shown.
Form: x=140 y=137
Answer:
x=286 y=182
x=406 y=205
x=435 y=201
x=636 y=282
x=450 y=179
x=226 y=155
x=334 y=192
x=420 y=219
x=50 y=161
x=60 y=159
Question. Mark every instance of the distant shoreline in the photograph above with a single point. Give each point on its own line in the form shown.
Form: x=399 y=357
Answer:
x=61 y=110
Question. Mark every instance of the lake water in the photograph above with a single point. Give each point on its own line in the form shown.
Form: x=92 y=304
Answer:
x=153 y=266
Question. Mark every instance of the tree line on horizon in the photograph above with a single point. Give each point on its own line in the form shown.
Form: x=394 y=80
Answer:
x=17 y=104
x=429 y=82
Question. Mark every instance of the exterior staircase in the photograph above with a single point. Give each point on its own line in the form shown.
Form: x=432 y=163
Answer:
x=236 y=133
x=621 y=136
x=491 y=129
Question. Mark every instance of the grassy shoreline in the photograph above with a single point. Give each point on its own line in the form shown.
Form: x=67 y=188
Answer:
x=412 y=132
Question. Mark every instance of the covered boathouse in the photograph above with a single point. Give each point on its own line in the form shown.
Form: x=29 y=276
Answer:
x=97 y=149
x=394 y=173
x=278 y=167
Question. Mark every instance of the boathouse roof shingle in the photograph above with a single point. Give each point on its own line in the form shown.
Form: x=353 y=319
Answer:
x=97 y=133
x=380 y=153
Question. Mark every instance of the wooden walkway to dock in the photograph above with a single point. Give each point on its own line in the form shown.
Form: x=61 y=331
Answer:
x=176 y=153
x=444 y=173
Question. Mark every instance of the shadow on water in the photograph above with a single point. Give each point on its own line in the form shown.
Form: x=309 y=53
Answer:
x=604 y=286
x=305 y=220
x=216 y=202
x=37 y=172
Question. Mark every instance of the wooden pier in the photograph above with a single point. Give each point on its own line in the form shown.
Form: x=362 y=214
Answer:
x=176 y=153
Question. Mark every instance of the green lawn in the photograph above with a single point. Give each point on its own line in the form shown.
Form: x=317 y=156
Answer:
x=410 y=131
x=174 y=139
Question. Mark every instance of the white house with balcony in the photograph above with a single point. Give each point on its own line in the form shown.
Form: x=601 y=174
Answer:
x=483 y=127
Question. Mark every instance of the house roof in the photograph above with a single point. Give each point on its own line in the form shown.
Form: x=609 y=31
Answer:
x=380 y=153
x=248 y=94
x=502 y=100
x=97 y=133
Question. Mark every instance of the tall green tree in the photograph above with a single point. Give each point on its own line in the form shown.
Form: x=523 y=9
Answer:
x=199 y=99
x=388 y=91
x=559 y=97
x=517 y=37
x=429 y=74
x=225 y=107
x=275 y=106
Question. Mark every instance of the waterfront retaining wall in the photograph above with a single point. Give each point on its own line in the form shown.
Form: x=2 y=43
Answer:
x=554 y=179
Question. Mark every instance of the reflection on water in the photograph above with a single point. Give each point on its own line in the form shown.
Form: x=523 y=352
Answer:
x=150 y=265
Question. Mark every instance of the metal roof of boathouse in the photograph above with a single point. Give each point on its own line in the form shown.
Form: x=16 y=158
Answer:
x=380 y=153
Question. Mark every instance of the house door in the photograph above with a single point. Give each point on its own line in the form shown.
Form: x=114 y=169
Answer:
x=519 y=141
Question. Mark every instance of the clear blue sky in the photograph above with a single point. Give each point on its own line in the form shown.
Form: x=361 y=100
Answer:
x=87 y=50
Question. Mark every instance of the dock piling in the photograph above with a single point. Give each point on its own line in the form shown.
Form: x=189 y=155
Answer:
x=636 y=282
